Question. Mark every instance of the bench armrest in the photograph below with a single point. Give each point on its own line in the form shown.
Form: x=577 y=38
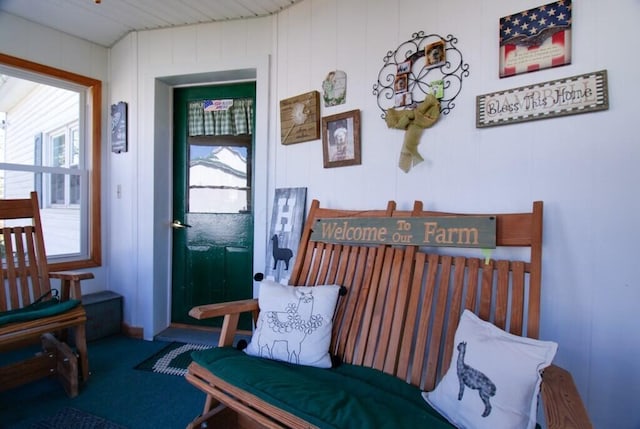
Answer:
x=563 y=407
x=70 y=283
x=231 y=312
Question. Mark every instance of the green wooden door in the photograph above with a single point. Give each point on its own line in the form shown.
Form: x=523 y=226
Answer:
x=212 y=209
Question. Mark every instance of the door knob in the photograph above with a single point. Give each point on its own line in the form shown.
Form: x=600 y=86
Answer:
x=176 y=224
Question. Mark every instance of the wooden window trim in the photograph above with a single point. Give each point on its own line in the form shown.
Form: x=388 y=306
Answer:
x=94 y=97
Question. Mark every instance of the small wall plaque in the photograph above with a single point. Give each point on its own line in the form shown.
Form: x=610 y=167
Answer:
x=119 y=127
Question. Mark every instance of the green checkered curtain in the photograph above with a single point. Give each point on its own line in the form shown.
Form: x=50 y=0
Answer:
x=235 y=120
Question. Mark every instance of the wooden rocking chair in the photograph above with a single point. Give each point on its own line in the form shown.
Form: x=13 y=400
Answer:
x=30 y=309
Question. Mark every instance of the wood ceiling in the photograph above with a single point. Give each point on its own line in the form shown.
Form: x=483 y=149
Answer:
x=106 y=22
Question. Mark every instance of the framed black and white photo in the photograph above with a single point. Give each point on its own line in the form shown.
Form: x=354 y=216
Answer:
x=341 y=139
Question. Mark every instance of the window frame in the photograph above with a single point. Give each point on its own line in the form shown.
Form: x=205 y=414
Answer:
x=93 y=120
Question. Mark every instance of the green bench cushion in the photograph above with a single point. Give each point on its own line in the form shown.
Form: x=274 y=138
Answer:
x=344 y=397
x=37 y=311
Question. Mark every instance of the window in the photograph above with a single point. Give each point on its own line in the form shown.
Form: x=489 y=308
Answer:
x=63 y=190
x=50 y=143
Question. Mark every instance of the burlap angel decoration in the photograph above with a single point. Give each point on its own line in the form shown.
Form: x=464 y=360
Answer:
x=414 y=121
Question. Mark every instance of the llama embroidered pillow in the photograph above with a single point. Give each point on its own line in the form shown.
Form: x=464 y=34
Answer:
x=494 y=377
x=294 y=324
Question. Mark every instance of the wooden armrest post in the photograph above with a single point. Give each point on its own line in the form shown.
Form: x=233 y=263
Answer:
x=229 y=328
x=70 y=283
x=231 y=312
x=563 y=407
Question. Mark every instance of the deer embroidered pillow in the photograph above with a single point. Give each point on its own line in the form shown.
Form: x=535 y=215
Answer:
x=494 y=377
x=295 y=323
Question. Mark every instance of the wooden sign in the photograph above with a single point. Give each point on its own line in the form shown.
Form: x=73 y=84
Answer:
x=569 y=96
x=300 y=118
x=450 y=231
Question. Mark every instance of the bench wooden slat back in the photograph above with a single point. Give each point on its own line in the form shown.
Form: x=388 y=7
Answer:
x=427 y=288
x=25 y=273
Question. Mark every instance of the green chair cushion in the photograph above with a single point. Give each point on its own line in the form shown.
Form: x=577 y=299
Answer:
x=39 y=310
x=348 y=396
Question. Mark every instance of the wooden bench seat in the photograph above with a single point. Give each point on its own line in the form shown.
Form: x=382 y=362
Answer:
x=401 y=311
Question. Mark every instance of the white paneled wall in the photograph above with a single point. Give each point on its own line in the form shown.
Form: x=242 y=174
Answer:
x=583 y=167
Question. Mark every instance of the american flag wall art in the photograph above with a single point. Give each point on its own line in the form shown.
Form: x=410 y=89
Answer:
x=536 y=39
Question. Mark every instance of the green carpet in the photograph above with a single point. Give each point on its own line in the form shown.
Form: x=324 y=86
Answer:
x=172 y=359
x=115 y=391
x=68 y=418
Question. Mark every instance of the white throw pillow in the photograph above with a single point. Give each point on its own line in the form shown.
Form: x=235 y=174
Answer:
x=295 y=323
x=494 y=377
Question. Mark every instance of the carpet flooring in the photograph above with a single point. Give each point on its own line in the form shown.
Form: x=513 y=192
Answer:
x=116 y=391
x=68 y=418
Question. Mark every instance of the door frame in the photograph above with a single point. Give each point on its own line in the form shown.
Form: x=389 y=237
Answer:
x=152 y=302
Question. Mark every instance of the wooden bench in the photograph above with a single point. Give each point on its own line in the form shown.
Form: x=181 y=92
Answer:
x=401 y=312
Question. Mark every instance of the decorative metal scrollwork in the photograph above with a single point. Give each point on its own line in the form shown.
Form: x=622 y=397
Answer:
x=410 y=60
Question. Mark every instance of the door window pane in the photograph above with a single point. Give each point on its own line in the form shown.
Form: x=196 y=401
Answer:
x=218 y=178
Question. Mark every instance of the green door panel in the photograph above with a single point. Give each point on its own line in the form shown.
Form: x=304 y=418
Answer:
x=213 y=255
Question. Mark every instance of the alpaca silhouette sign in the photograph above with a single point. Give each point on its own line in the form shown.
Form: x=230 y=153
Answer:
x=283 y=254
x=450 y=231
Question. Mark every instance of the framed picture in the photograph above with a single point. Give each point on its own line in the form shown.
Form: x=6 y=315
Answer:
x=404 y=67
x=341 y=139
x=400 y=84
x=545 y=43
x=403 y=99
x=434 y=54
x=119 y=127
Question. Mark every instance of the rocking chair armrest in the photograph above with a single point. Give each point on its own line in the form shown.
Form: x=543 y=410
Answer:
x=70 y=282
x=208 y=311
x=231 y=312
x=563 y=407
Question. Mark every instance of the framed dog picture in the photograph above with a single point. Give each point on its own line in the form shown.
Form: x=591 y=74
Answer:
x=341 y=139
x=435 y=54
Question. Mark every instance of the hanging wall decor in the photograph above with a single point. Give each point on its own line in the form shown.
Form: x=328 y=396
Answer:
x=536 y=39
x=418 y=82
x=569 y=96
x=119 y=127
x=300 y=118
x=341 y=139
x=426 y=64
x=334 y=88
x=287 y=221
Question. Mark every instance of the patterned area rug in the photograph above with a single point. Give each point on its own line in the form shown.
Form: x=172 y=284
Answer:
x=68 y=418
x=172 y=359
